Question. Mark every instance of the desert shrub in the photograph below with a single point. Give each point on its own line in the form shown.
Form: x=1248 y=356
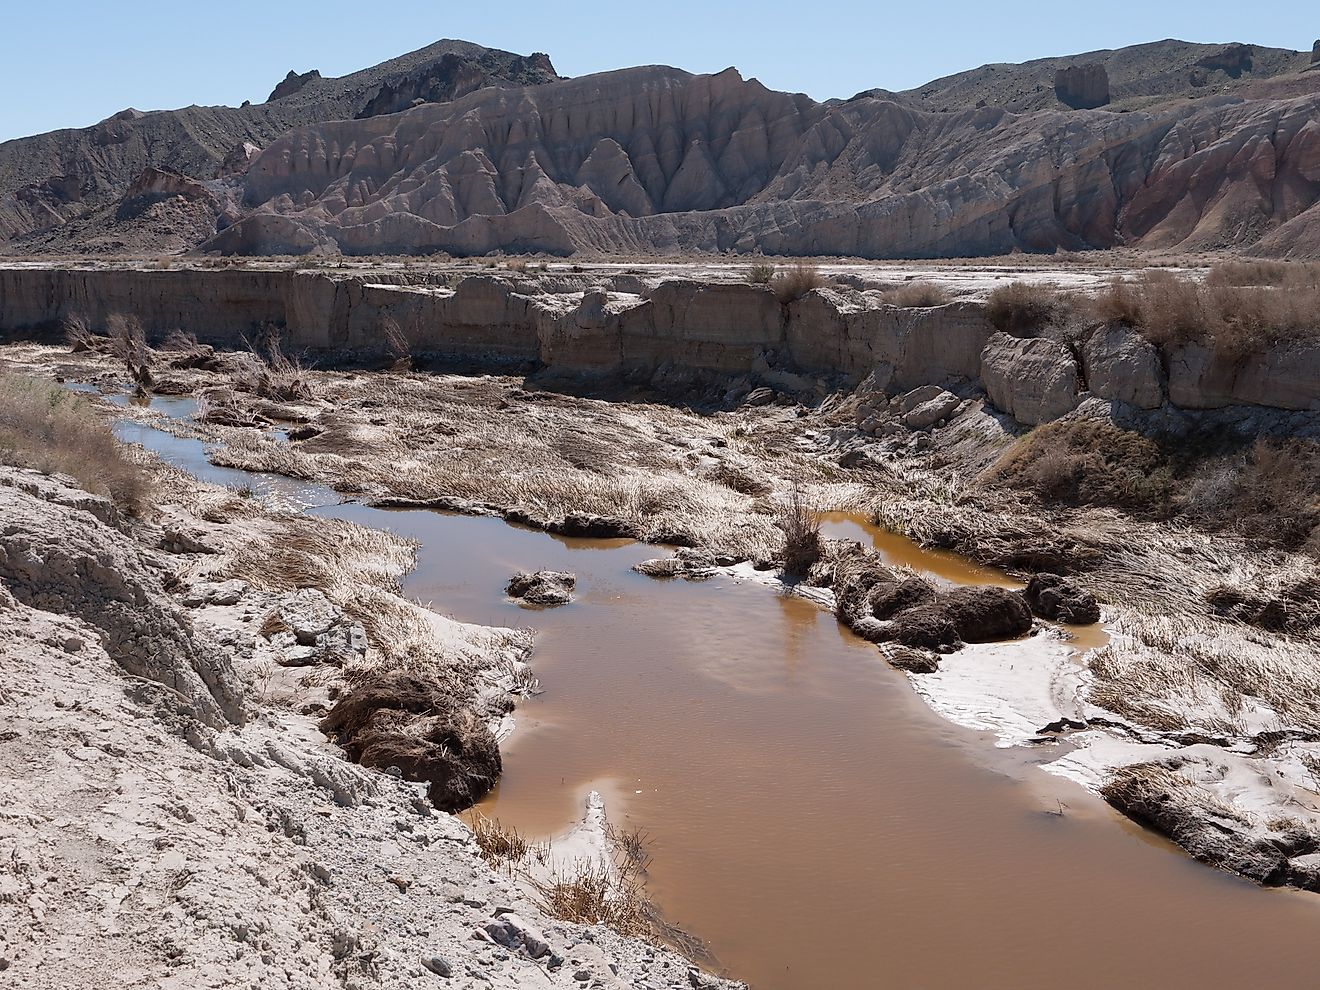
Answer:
x=760 y=274
x=1275 y=273
x=912 y=294
x=50 y=429
x=800 y=524
x=1088 y=462
x=128 y=342
x=396 y=344
x=78 y=335
x=796 y=281
x=1025 y=308
x=1270 y=492
x=1229 y=314
x=275 y=375
x=1118 y=302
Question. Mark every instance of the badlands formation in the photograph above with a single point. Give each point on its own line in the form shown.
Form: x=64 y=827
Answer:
x=230 y=740
x=466 y=150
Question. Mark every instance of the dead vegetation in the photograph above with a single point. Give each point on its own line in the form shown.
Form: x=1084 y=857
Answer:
x=50 y=429
x=1268 y=491
x=273 y=374
x=1238 y=311
x=1024 y=309
x=760 y=274
x=796 y=281
x=128 y=343
x=917 y=294
x=799 y=521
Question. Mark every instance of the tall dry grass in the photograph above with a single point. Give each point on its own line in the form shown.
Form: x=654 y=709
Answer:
x=796 y=281
x=917 y=294
x=52 y=430
x=1230 y=313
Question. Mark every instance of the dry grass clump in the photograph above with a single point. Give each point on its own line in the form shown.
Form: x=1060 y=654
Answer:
x=1270 y=493
x=1190 y=672
x=1289 y=273
x=498 y=843
x=760 y=274
x=1025 y=308
x=917 y=294
x=1088 y=462
x=796 y=281
x=359 y=569
x=49 y=429
x=396 y=344
x=800 y=524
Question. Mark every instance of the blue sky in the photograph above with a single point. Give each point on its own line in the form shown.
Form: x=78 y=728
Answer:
x=73 y=63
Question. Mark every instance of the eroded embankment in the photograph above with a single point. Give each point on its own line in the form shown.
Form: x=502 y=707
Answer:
x=170 y=813
x=634 y=326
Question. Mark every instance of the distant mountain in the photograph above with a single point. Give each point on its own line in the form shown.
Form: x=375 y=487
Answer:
x=50 y=179
x=462 y=149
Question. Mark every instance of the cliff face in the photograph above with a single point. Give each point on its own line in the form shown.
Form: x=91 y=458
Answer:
x=623 y=326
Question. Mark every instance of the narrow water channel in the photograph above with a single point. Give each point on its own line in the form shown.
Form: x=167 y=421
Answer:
x=810 y=817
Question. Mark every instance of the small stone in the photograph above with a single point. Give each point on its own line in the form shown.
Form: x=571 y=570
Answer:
x=437 y=964
x=73 y=645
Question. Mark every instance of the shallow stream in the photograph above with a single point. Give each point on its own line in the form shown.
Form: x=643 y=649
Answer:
x=810 y=817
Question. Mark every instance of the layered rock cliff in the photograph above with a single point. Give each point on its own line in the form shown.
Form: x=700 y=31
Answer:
x=626 y=327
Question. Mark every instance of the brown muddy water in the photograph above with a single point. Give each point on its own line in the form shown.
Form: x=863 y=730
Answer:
x=809 y=816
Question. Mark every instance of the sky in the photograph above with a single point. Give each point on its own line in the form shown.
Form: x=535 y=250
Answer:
x=76 y=62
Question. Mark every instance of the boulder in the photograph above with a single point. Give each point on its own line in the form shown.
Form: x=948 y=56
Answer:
x=1121 y=365
x=1034 y=379
x=1057 y=599
x=545 y=588
x=1315 y=53
x=1082 y=87
x=938 y=404
x=308 y=614
x=215 y=593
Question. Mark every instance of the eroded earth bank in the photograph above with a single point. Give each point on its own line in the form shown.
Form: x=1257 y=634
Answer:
x=175 y=649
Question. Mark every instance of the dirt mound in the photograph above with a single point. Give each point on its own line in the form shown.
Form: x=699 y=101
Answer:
x=879 y=606
x=411 y=722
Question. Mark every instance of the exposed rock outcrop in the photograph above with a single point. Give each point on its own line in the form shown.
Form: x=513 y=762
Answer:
x=292 y=83
x=1034 y=379
x=1121 y=365
x=1082 y=87
x=61 y=553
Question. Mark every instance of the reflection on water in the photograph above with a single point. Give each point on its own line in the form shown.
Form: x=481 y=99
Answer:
x=810 y=816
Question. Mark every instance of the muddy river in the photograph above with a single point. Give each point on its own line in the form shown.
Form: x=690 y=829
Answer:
x=810 y=817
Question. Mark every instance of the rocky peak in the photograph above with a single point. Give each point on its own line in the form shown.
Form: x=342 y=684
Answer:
x=291 y=83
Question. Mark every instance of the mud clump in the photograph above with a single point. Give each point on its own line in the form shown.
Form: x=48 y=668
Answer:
x=1059 y=600
x=544 y=588
x=880 y=607
x=411 y=722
